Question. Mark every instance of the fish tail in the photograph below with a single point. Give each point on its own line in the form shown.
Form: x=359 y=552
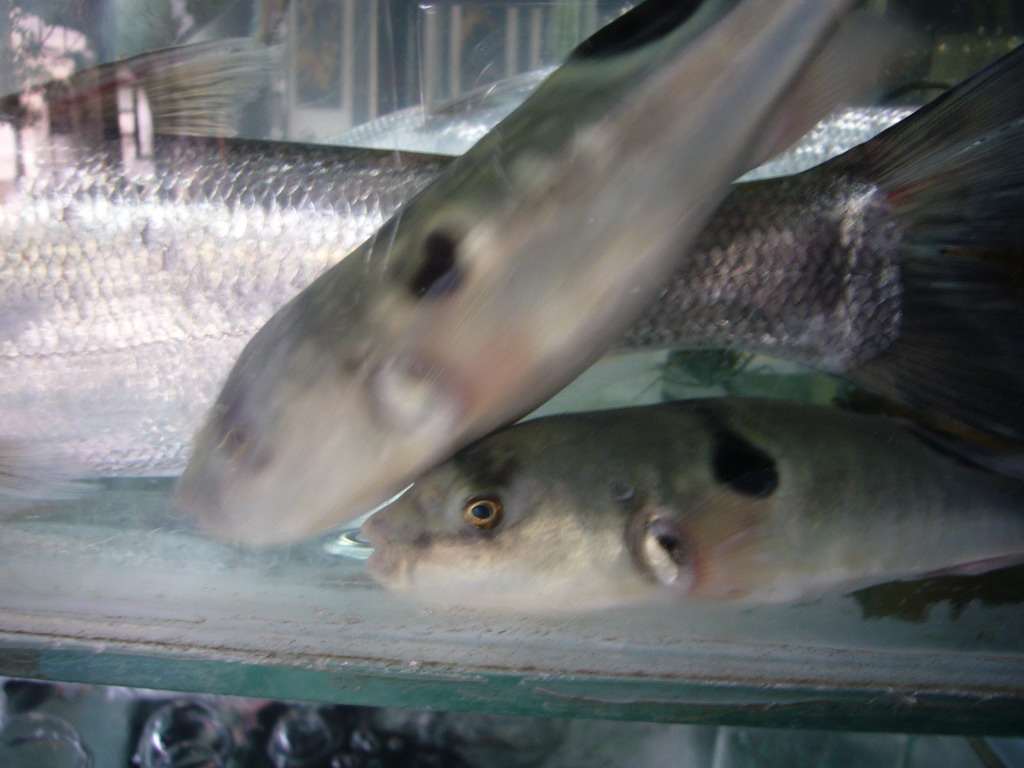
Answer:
x=953 y=174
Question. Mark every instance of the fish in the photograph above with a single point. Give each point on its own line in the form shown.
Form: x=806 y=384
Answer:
x=513 y=270
x=742 y=501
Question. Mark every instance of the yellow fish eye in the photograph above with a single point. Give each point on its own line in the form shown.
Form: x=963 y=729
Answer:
x=483 y=512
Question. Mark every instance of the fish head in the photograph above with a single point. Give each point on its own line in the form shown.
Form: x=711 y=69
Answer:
x=417 y=343
x=499 y=528
x=310 y=430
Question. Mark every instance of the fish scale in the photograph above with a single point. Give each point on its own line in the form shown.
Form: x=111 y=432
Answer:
x=174 y=269
x=804 y=267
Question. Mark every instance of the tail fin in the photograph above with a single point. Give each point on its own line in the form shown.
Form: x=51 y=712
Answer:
x=954 y=175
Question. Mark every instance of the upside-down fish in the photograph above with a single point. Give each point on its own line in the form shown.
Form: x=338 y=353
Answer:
x=510 y=273
x=745 y=500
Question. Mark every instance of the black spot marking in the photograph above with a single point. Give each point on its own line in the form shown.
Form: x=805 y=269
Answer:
x=670 y=544
x=485 y=468
x=439 y=273
x=742 y=466
x=636 y=28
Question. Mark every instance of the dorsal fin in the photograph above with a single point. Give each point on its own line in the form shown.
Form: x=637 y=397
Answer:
x=637 y=27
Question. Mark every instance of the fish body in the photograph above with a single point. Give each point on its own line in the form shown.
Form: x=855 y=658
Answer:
x=504 y=278
x=738 y=500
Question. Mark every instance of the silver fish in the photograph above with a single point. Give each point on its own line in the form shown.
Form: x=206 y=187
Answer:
x=744 y=500
x=455 y=127
x=508 y=275
x=129 y=400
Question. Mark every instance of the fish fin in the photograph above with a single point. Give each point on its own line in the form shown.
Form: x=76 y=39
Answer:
x=718 y=550
x=953 y=174
x=869 y=41
x=196 y=89
x=641 y=25
x=978 y=450
x=32 y=473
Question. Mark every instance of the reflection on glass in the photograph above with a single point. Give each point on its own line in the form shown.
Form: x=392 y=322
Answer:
x=36 y=740
x=184 y=734
x=190 y=756
x=300 y=739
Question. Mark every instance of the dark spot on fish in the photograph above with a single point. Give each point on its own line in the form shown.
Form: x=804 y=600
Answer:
x=644 y=24
x=743 y=467
x=439 y=273
x=484 y=467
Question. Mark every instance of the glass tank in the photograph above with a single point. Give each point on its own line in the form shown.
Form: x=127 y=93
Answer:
x=104 y=583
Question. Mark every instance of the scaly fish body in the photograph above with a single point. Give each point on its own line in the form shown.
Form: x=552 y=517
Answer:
x=127 y=295
x=753 y=501
x=501 y=280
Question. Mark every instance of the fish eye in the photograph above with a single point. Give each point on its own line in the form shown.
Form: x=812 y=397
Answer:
x=483 y=512
x=234 y=443
x=439 y=273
